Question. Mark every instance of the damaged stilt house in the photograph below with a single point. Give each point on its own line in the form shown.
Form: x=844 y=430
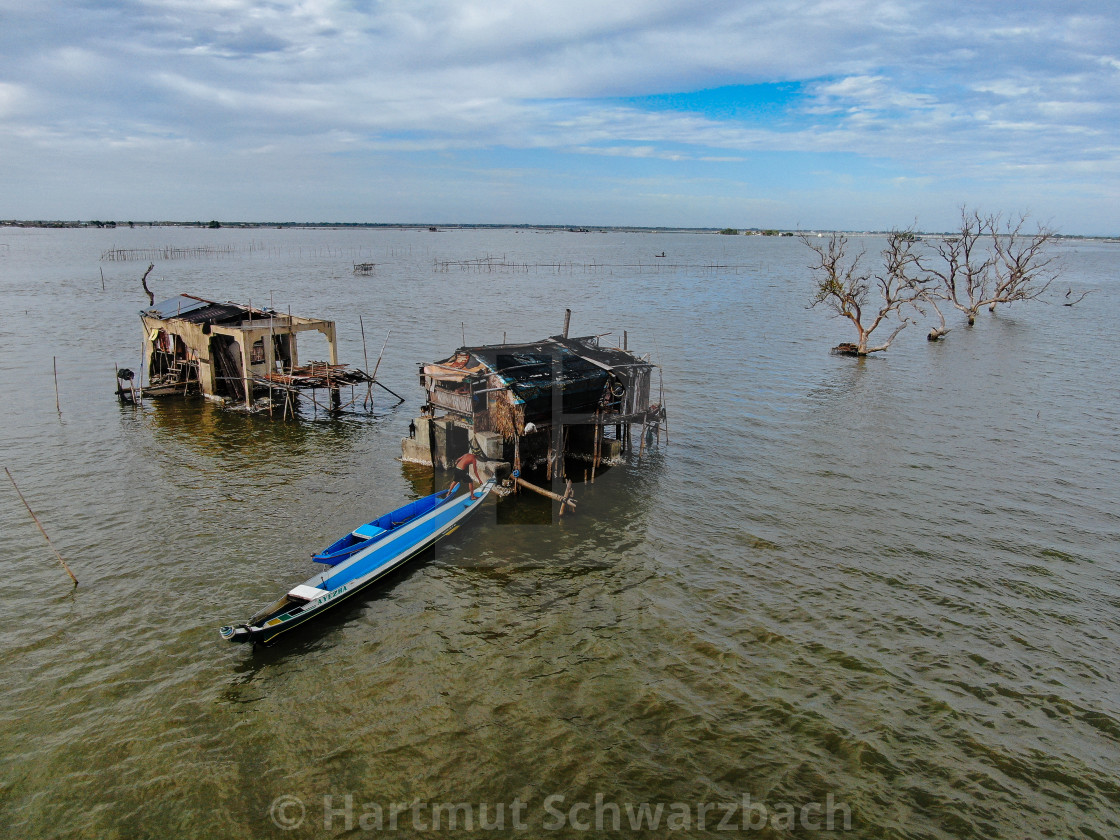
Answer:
x=238 y=354
x=534 y=405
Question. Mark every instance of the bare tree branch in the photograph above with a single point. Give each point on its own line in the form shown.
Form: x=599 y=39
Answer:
x=1070 y=300
x=988 y=262
x=845 y=289
x=1023 y=269
x=144 y=283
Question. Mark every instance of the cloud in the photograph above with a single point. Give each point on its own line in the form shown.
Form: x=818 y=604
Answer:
x=934 y=91
x=11 y=98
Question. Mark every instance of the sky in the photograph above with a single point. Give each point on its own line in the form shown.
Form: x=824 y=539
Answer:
x=813 y=114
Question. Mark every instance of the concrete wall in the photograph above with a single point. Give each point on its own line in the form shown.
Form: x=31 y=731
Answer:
x=440 y=441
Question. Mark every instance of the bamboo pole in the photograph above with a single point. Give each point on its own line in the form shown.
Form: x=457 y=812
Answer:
x=384 y=344
x=271 y=355
x=548 y=471
x=598 y=447
x=41 y=529
x=568 y=502
x=390 y=390
x=365 y=355
x=57 y=404
x=567 y=495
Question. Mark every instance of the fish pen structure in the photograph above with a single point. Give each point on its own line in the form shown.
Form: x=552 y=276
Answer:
x=238 y=355
x=536 y=405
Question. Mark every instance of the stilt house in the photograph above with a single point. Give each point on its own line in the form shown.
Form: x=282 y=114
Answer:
x=533 y=404
x=228 y=350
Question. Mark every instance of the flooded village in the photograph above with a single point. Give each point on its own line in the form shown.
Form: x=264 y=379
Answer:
x=779 y=568
x=517 y=409
x=644 y=420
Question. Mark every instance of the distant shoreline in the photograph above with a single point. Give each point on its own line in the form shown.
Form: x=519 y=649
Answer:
x=216 y=225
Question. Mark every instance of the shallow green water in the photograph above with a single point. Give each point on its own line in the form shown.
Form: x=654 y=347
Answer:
x=887 y=589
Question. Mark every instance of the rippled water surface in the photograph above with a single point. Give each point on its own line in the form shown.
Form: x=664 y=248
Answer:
x=889 y=586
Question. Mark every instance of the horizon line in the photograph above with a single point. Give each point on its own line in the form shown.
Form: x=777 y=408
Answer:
x=216 y=224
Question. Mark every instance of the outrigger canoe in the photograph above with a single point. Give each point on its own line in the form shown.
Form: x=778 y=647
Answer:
x=361 y=558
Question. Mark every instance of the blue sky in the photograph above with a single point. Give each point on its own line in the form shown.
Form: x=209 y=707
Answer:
x=849 y=114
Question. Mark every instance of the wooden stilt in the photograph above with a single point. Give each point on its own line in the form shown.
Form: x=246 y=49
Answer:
x=569 y=502
x=365 y=355
x=564 y=499
x=548 y=469
x=373 y=376
x=596 y=448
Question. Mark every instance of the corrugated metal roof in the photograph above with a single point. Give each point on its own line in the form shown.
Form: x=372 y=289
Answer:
x=196 y=310
x=176 y=306
x=216 y=313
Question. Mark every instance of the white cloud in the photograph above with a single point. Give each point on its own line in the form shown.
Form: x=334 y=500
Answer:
x=11 y=98
x=942 y=89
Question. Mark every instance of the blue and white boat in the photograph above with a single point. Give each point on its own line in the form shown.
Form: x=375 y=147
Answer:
x=377 y=529
x=359 y=559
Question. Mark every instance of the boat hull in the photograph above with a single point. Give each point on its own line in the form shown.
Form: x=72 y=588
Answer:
x=361 y=571
x=380 y=528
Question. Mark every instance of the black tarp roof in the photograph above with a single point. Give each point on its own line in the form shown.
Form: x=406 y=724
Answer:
x=577 y=355
x=578 y=367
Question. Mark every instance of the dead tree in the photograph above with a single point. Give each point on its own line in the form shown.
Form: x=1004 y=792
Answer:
x=144 y=283
x=963 y=268
x=1024 y=267
x=846 y=289
x=986 y=263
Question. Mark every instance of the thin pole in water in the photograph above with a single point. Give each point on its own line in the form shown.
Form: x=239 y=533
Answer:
x=382 y=353
x=365 y=355
x=57 y=404
x=41 y=529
